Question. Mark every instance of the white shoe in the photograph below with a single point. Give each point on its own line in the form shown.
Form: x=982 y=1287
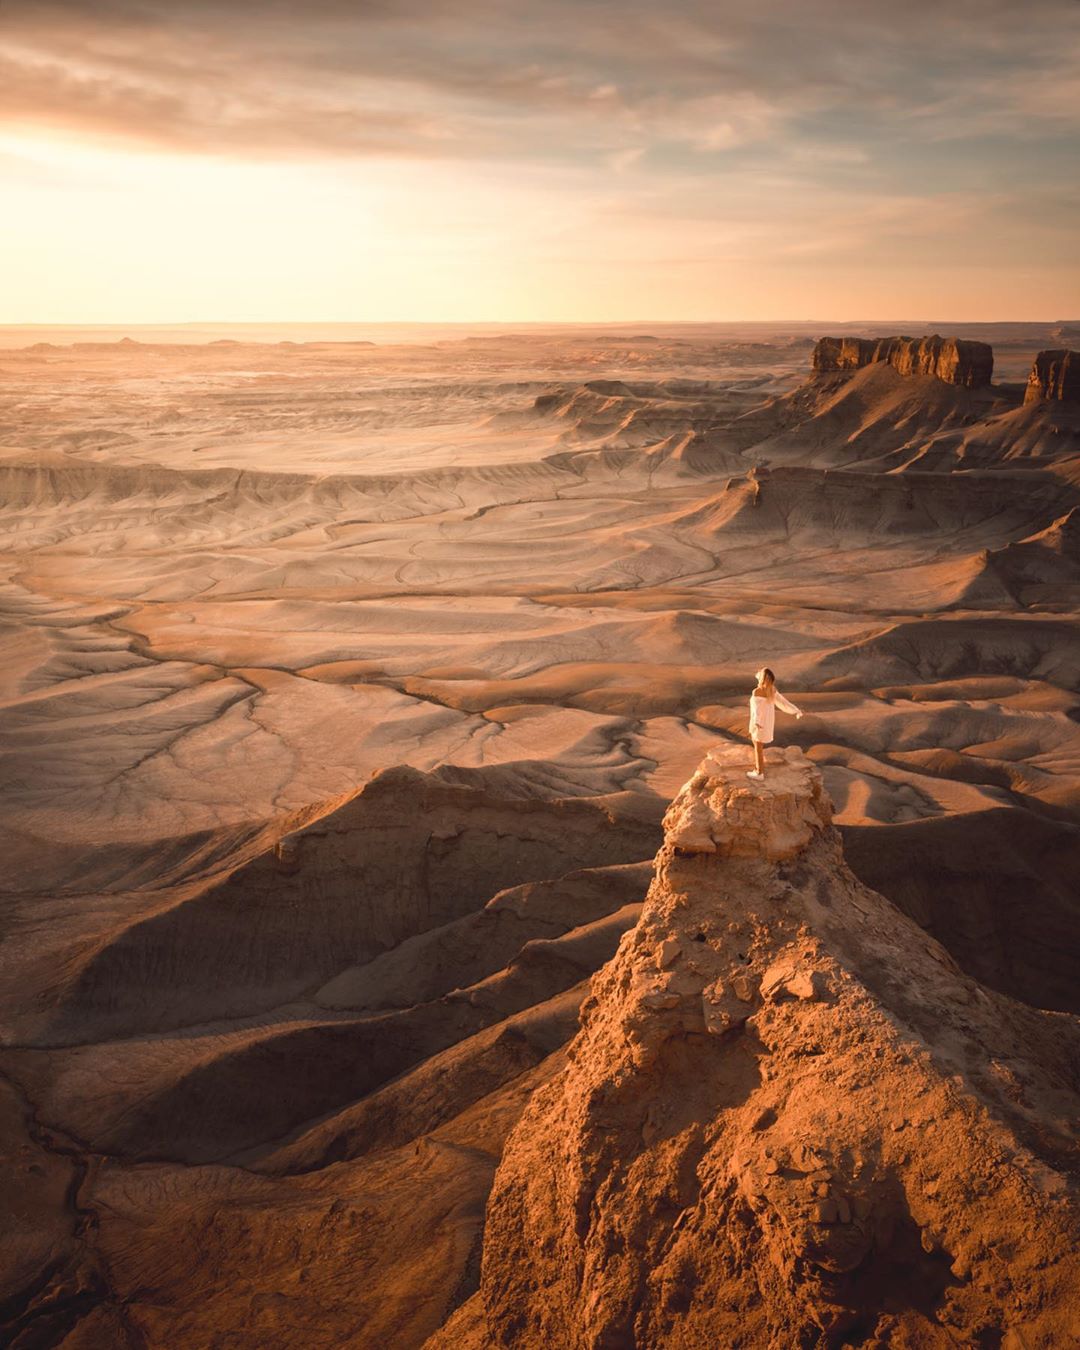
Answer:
x=753 y=773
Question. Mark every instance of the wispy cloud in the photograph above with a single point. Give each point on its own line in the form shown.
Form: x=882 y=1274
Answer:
x=482 y=78
x=782 y=134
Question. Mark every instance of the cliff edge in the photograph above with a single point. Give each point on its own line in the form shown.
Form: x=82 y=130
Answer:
x=1055 y=375
x=954 y=360
x=788 y=1119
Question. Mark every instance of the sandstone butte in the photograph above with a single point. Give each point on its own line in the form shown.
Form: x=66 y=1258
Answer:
x=954 y=360
x=788 y=1119
x=1055 y=374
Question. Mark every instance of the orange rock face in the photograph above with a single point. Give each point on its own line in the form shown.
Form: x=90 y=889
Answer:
x=1054 y=375
x=954 y=360
x=787 y=1119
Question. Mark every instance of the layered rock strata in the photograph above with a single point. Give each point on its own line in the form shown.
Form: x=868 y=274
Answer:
x=1055 y=374
x=954 y=360
x=788 y=1119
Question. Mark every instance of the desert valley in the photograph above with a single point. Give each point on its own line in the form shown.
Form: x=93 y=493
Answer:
x=359 y=984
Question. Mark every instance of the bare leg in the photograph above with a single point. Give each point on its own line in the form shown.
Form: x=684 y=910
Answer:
x=759 y=757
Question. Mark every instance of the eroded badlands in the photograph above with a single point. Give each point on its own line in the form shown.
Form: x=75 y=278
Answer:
x=345 y=687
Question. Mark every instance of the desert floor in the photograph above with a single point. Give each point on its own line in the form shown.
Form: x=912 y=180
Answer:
x=239 y=578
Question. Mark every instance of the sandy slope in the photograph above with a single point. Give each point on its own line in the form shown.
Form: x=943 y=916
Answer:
x=539 y=571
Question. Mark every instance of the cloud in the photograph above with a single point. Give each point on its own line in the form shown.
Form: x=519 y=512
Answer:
x=559 y=79
x=622 y=160
x=202 y=114
x=854 y=139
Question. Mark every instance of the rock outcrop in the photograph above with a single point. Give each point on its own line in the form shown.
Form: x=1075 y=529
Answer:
x=954 y=360
x=788 y=1119
x=1055 y=374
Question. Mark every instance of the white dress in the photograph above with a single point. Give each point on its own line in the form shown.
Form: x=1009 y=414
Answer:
x=763 y=715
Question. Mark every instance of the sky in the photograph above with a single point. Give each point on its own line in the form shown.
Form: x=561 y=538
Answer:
x=570 y=160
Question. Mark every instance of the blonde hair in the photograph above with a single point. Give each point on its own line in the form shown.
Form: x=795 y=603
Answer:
x=767 y=681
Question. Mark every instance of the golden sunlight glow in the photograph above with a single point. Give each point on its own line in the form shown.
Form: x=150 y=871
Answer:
x=279 y=163
x=104 y=232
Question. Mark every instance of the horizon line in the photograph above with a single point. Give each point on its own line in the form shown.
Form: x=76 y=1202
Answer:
x=495 y=323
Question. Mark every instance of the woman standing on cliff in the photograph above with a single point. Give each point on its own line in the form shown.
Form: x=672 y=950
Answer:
x=764 y=702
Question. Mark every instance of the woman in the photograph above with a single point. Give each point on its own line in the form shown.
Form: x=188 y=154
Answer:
x=764 y=701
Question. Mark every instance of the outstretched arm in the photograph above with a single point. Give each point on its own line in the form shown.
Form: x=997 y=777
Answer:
x=786 y=705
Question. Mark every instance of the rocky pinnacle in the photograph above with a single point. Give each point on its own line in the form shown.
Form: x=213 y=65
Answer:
x=788 y=1118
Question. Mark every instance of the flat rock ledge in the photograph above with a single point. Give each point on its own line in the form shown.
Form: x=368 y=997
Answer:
x=720 y=810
